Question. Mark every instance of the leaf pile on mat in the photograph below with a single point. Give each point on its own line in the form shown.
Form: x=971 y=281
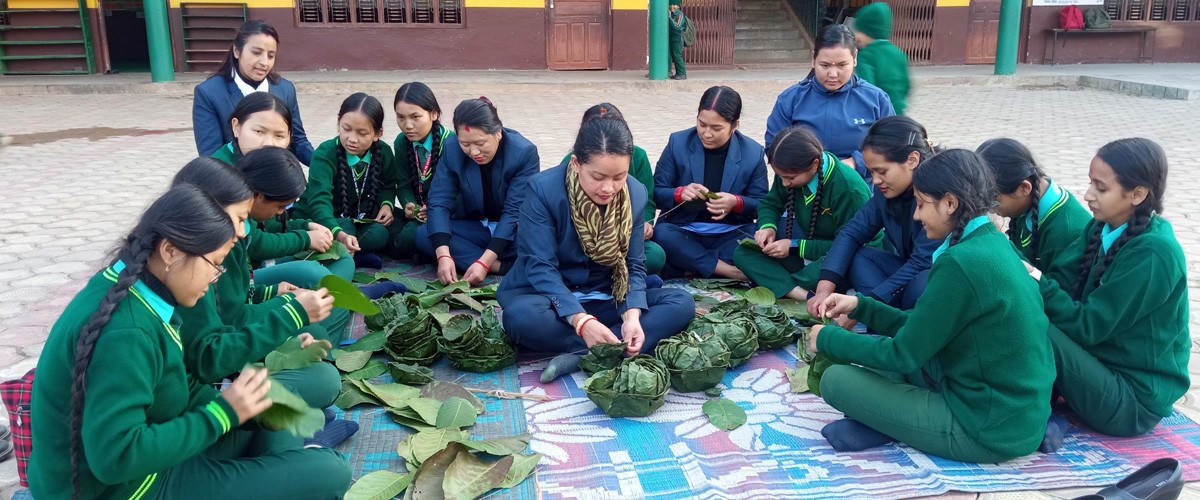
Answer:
x=775 y=328
x=410 y=374
x=335 y=252
x=712 y=284
x=635 y=388
x=695 y=363
x=479 y=346
x=412 y=337
x=724 y=414
x=390 y=308
x=797 y=310
x=760 y=296
x=602 y=357
x=733 y=323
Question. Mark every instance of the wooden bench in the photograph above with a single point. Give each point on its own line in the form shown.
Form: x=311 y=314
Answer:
x=1144 y=30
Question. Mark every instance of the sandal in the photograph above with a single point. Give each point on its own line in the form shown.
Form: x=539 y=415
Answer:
x=1161 y=479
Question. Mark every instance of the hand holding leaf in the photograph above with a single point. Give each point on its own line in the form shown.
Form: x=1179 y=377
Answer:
x=248 y=394
x=317 y=304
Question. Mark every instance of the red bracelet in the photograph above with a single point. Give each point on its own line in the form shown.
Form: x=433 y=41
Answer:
x=579 y=331
x=485 y=266
x=446 y=257
x=679 y=194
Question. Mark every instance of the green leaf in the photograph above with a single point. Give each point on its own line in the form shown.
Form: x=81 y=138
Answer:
x=352 y=396
x=713 y=392
x=760 y=295
x=288 y=412
x=427 y=408
x=335 y=252
x=392 y=395
x=374 y=368
x=348 y=296
x=414 y=285
x=711 y=195
x=290 y=356
x=410 y=418
x=427 y=482
x=724 y=414
x=410 y=374
x=465 y=301
x=364 y=278
x=499 y=446
x=749 y=244
x=425 y=444
x=799 y=378
x=364 y=220
x=797 y=310
x=379 y=485
x=455 y=412
x=442 y=391
x=468 y=477
x=349 y=361
x=522 y=467
x=372 y=342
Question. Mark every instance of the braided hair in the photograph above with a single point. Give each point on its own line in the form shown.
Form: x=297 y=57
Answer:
x=344 y=203
x=1011 y=164
x=964 y=174
x=420 y=95
x=1135 y=162
x=797 y=149
x=186 y=217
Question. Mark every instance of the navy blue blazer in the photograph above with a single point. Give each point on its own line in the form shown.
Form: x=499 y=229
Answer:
x=457 y=189
x=551 y=261
x=905 y=235
x=212 y=107
x=682 y=163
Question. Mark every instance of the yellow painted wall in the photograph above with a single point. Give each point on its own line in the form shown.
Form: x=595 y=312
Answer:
x=509 y=4
x=953 y=3
x=289 y=4
x=630 y=4
x=48 y=4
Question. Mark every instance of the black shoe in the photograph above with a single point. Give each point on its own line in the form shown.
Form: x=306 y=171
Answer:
x=4 y=432
x=1162 y=479
x=6 y=449
x=679 y=77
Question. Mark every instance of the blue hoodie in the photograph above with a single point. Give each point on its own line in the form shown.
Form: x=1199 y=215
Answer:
x=840 y=118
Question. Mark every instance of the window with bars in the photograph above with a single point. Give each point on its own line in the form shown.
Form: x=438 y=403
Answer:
x=380 y=12
x=1153 y=10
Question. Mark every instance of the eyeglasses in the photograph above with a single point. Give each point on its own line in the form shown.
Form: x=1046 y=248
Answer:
x=220 y=269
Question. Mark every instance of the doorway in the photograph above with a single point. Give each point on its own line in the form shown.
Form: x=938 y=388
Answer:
x=983 y=26
x=578 y=34
x=125 y=36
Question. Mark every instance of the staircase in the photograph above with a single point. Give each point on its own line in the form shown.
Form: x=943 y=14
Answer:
x=767 y=34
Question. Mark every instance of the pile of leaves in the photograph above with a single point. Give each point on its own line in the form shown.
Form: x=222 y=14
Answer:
x=696 y=363
x=479 y=346
x=602 y=357
x=775 y=328
x=635 y=388
x=411 y=337
x=733 y=323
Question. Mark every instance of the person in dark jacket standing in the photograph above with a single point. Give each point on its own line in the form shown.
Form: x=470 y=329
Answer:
x=881 y=62
x=675 y=40
x=837 y=105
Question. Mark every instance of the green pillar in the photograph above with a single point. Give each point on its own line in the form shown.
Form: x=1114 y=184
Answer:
x=658 y=39
x=158 y=34
x=1008 y=38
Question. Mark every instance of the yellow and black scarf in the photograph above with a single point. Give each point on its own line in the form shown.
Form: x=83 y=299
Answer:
x=604 y=234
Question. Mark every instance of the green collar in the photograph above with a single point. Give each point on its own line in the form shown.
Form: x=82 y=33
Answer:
x=355 y=160
x=827 y=163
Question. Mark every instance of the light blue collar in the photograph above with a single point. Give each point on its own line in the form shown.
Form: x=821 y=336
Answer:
x=1109 y=235
x=427 y=143
x=971 y=226
x=160 y=306
x=1047 y=204
x=352 y=160
x=826 y=163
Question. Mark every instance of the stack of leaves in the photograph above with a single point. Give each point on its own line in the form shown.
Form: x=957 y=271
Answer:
x=390 y=308
x=775 y=328
x=411 y=338
x=473 y=348
x=602 y=357
x=695 y=363
x=732 y=322
x=810 y=366
x=635 y=388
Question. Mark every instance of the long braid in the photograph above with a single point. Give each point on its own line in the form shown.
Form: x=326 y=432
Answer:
x=1035 y=196
x=960 y=225
x=435 y=153
x=1137 y=224
x=789 y=208
x=816 y=205
x=1085 y=262
x=414 y=182
x=343 y=180
x=368 y=202
x=135 y=254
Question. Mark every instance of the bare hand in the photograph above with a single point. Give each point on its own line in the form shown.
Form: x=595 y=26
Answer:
x=306 y=339
x=319 y=238
x=632 y=333
x=423 y=213
x=836 y=305
x=594 y=332
x=385 y=216
x=812 y=338
x=648 y=231
x=350 y=241
x=778 y=249
x=721 y=206
x=410 y=210
x=446 y=271
x=824 y=289
x=764 y=237
x=475 y=274
x=317 y=303
x=286 y=288
x=693 y=192
x=248 y=394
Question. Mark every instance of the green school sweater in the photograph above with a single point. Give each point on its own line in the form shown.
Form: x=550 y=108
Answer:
x=406 y=169
x=885 y=66
x=226 y=154
x=142 y=412
x=1057 y=230
x=274 y=241
x=981 y=318
x=316 y=203
x=639 y=168
x=843 y=192
x=1136 y=321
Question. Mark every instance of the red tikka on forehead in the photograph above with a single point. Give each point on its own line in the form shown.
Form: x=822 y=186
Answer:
x=467 y=128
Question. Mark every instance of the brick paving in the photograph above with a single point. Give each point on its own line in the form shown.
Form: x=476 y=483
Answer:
x=81 y=167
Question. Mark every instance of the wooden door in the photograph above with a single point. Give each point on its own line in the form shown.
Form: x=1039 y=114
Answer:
x=982 y=28
x=578 y=35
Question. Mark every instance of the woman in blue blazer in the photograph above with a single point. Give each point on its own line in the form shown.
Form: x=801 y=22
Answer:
x=476 y=196
x=580 y=277
x=717 y=175
x=249 y=67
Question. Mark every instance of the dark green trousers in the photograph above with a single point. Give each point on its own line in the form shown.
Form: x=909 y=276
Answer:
x=404 y=241
x=779 y=275
x=318 y=384
x=372 y=237
x=675 y=43
x=914 y=415
x=656 y=258
x=1102 y=398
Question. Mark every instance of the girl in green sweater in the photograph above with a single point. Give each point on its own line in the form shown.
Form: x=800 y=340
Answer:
x=1043 y=217
x=116 y=414
x=979 y=321
x=352 y=182
x=418 y=149
x=829 y=193
x=1120 y=333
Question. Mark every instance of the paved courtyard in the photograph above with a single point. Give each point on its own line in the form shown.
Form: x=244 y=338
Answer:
x=81 y=168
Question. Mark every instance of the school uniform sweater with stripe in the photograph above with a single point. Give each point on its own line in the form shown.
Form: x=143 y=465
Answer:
x=639 y=168
x=1136 y=321
x=270 y=239
x=234 y=323
x=143 y=413
x=843 y=193
x=980 y=318
x=316 y=203
x=406 y=169
x=1060 y=222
